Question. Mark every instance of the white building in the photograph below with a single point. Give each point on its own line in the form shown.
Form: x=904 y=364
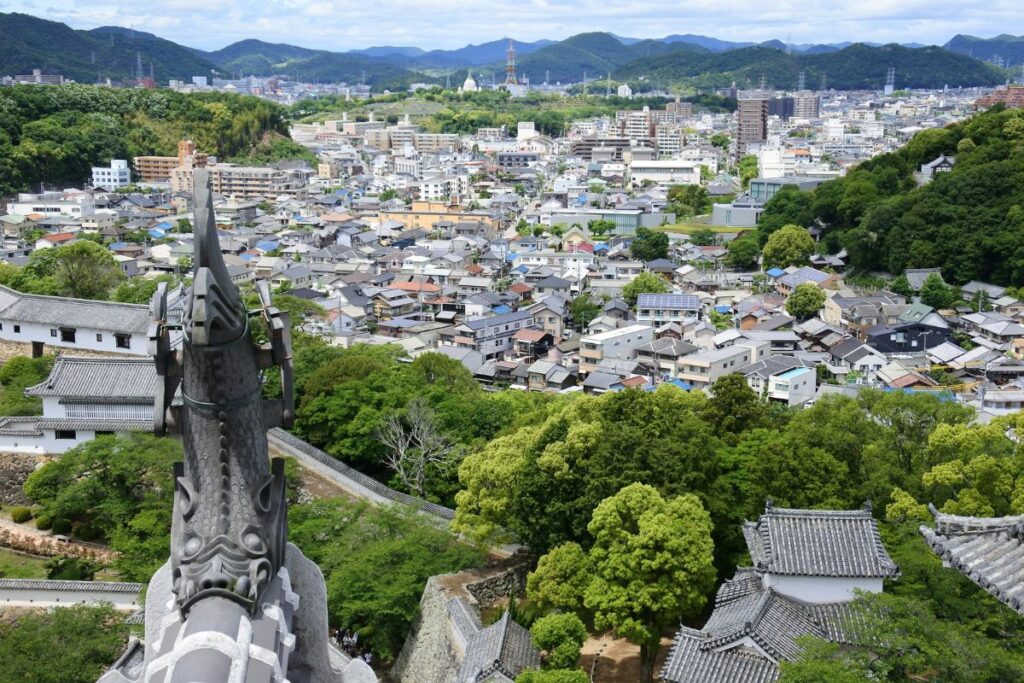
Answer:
x=617 y=344
x=50 y=322
x=118 y=174
x=668 y=171
x=84 y=398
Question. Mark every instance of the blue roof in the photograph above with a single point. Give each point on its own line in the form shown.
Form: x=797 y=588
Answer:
x=247 y=257
x=267 y=245
x=165 y=225
x=502 y=309
x=776 y=272
x=520 y=269
x=156 y=234
x=601 y=246
x=117 y=245
x=793 y=372
x=723 y=309
x=685 y=386
x=512 y=257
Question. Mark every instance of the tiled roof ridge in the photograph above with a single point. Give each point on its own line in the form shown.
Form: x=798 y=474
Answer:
x=90 y=302
x=68 y=585
x=964 y=524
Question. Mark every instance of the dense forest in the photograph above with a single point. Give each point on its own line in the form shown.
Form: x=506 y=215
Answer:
x=969 y=222
x=56 y=134
x=86 y=56
x=855 y=67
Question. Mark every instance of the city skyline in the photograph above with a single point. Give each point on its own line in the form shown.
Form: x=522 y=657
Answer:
x=404 y=23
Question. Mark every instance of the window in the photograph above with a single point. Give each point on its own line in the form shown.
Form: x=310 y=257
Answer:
x=123 y=341
x=67 y=334
x=65 y=434
x=99 y=337
x=53 y=333
x=17 y=329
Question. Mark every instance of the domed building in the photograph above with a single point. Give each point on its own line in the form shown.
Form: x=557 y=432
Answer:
x=470 y=84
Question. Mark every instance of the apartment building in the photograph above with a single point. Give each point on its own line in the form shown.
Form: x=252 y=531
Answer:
x=617 y=344
x=492 y=337
x=751 y=121
x=704 y=368
x=112 y=177
x=658 y=309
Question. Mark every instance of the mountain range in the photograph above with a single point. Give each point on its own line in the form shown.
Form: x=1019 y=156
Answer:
x=114 y=52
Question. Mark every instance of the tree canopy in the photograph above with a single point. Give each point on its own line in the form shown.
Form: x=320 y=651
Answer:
x=788 y=246
x=805 y=301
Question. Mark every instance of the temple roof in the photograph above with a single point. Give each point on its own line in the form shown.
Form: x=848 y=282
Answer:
x=99 y=378
x=504 y=647
x=987 y=550
x=827 y=543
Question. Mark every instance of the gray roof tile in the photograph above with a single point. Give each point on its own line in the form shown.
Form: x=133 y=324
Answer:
x=987 y=550
x=78 y=313
x=99 y=378
x=818 y=543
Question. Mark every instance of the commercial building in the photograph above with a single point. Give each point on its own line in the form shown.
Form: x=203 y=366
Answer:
x=112 y=177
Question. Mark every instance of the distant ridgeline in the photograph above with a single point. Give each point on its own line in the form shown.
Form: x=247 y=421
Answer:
x=969 y=221
x=57 y=133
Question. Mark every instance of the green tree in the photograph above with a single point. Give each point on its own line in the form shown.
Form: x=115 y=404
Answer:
x=84 y=270
x=140 y=290
x=901 y=286
x=720 y=140
x=599 y=228
x=748 y=169
x=16 y=375
x=560 y=579
x=805 y=301
x=935 y=292
x=743 y=252
x=561 y=636
x=63 y=645
x=788 y=246
x=583 y=309
x=649 y=245
x=553 y=676
x=644 y=283
x=901 y=639
x=652 y=564
x=703 y=237
x=376 y=561
x=734 y=407
x=104 y=489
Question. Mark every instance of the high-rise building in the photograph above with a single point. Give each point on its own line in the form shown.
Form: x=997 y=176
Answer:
x=781 y=107
x=806 y=104
x=751 y=121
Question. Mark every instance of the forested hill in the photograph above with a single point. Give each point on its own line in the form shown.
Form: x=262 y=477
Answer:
x=28 y=43
x=969 y=221
x=852 y=68
x=55 y=134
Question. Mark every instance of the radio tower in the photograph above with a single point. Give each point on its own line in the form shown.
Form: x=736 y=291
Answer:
x=510 y=64
x=890 y=80
x=138 y=66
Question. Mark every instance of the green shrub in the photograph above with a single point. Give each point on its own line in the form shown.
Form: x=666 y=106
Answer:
x=20 y=514
x=61 y=526
x=44 y=522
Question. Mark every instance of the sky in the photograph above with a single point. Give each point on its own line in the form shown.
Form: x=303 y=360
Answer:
x=349 y=24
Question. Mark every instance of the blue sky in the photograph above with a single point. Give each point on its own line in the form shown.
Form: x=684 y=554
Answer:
x=348 y=24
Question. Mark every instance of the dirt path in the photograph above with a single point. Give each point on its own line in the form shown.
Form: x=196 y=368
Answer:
x=617 y=659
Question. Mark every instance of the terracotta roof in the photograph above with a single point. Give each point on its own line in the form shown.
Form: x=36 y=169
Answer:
x=59 y=237
x=415 y=286
x=529 y=335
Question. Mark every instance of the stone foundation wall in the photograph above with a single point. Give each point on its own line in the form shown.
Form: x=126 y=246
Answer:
x=10 y=349
x=429 y=655
x=14 y=470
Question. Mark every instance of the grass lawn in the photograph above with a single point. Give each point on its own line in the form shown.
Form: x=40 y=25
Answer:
x=14 y=566
x=690 y=228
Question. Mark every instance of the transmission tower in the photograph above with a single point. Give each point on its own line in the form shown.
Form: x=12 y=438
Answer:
x=138 y=66
x=510 y=63
x=802 y=84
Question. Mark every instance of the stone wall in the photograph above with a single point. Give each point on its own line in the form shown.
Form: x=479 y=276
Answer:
x=10 y=349
x=14 y=470
x=429 y=654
